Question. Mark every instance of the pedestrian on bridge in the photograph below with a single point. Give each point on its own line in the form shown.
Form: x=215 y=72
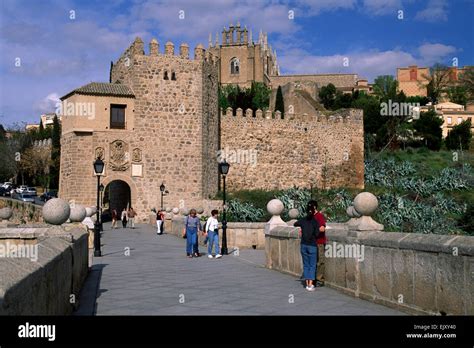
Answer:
x=212 y=231
x=123 y=217
x=192 y=226
x=309 y=234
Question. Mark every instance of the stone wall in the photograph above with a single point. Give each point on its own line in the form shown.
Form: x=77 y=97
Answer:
x=23 y=212
x=415 y=273
x=322 y=151
x=43 y=286
x=242 y=235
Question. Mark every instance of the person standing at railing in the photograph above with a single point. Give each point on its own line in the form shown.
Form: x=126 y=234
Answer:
x=309 y=233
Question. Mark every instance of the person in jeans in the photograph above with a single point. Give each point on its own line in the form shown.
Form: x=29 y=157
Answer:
x=160 y=217
x=192 y=225
x=131 y=217
x=114 y=218
x=309 y=233
x=123 y=217
x=212 y=228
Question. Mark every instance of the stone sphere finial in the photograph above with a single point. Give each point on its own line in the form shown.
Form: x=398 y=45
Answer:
x=6 y=213
x=56 y=211
x=184 y=211
x=275 y=207
x=77 y=213
x=168 y=209
x=366 y=203
x=90 y=211
x=199 y=210
x=293 y=213
x=351 y=212
x=175 y=211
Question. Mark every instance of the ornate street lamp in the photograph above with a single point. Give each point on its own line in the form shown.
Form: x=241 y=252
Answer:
x=98 y=169
x=224 y=170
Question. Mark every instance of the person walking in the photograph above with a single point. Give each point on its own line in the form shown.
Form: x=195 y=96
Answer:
x=123 y=217
x=212 y=229
x=321 y=245
x=131 y=217
x=160 y=219
x=192 y=225
x=309 y=233
x=114 y=218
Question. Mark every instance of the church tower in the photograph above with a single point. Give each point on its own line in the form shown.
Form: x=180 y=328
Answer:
x=242 y=61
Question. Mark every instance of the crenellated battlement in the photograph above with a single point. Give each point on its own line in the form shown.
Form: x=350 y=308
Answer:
x=137 y=48
x=341 y=116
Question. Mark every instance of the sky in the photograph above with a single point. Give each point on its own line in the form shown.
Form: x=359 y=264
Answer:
x=50 y=47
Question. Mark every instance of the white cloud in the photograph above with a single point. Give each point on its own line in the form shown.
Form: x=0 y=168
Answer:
x=382 y=7
x=434 y=53
x=436 y=10
x=365 y=64
x=312 y=7
x=48 y=103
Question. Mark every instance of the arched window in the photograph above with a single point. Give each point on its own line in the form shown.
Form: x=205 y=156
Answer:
x=173 y=76
x=165 y=77
x=234 y=66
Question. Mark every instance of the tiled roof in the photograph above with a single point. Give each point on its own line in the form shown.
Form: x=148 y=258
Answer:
x=103 y=88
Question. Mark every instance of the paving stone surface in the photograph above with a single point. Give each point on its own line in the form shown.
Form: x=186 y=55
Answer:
x=141 y=273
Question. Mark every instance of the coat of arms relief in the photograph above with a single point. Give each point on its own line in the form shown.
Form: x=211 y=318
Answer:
x=119 y=156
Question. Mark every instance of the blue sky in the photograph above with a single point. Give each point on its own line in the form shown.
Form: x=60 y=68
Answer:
x=57 y=53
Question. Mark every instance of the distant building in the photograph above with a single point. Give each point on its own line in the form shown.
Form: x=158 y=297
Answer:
x=46 y=119
x=413 y=80
x=453 y=114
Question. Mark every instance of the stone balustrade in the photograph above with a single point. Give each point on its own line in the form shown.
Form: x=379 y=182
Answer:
x=415 y=273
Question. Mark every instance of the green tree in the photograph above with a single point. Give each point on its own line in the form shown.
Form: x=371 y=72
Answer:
x=459 y=138
x=279 y=103
x=327 y=96
x=417 y=99
x=457 y=94
x=385 y=87
x=260 y=95
x=428 y=127
x=342 y=100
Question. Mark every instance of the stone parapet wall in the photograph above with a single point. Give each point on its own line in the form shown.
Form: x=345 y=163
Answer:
x=43 y=286
x=415 y=273
x=325 y=151
x=242 y=235
x=23 y=212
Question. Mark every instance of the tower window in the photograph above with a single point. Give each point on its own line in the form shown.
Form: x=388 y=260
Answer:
x=117 y=116
x=165 y=77
x=413 y=75
x=234 y=66
x=173 y=76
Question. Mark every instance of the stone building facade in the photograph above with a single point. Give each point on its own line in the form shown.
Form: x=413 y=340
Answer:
x=242 y=61
x=168 y=132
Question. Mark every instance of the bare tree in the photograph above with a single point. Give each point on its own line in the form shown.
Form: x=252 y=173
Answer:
x=438 y=82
